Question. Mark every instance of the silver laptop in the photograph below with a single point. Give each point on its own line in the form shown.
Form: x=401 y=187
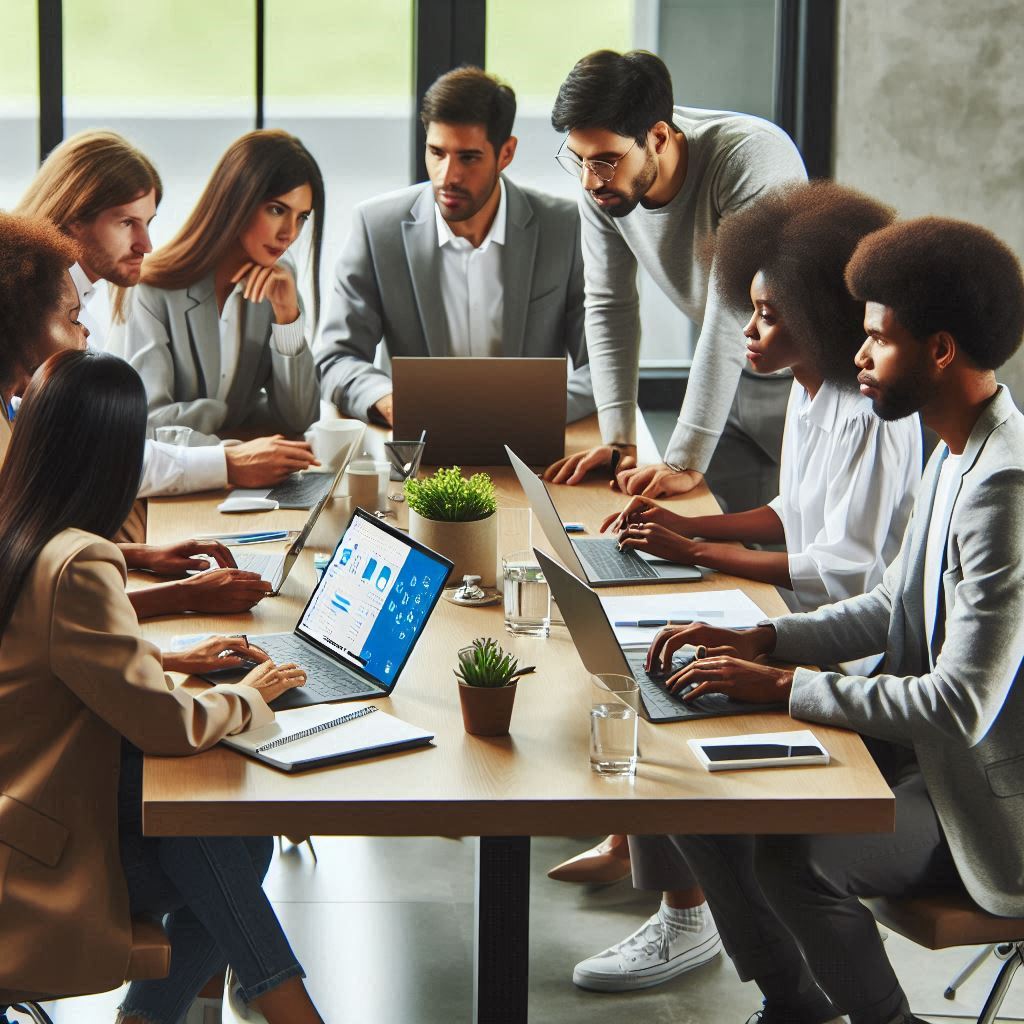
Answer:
x=363 y=618
x=275 y=566
x=598 y=560
x=600 y=651
x=471 y=407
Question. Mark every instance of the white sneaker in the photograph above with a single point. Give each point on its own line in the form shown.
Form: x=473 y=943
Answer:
x=654 y=953
x=234 y=1009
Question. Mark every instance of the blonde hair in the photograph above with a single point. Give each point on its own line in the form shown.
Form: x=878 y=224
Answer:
x=258 y=166
x=86 y=174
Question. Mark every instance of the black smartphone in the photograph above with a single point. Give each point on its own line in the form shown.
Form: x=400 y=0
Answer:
x=756 y=751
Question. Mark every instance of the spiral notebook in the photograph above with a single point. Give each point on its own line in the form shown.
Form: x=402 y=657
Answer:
x=325 y=734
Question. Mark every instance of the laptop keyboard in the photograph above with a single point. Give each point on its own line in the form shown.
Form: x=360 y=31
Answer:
x=250 y=561
x=604 y=561
x=663 y=706
x=325 y=679
x=301 y=490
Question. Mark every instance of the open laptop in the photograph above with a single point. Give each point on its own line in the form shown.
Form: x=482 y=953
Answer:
x=600 y=651
x=471 y=407
x=363 y=618
x=597 y=560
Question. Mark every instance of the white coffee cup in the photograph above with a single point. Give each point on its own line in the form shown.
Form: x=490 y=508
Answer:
x=366 y=483
x=332 y=440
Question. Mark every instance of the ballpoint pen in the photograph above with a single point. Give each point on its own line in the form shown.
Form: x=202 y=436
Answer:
x=260 y=538
x=246 y=538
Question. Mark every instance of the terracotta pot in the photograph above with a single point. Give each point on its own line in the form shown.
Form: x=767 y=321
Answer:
x=487 y=710
x=471 y=546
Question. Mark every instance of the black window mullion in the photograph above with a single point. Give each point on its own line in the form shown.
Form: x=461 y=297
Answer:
x=51 y=75
x=446 y=33
x=261 y=19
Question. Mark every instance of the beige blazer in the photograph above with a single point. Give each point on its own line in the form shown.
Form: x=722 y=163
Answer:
x=5 y=431
x=76 y=676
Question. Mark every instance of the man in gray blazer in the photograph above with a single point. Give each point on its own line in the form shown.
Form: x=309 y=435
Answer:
x=467 y=264
x=944 y=716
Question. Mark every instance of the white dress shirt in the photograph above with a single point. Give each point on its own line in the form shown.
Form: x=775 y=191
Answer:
x=471 y=285
x=230 y=340
x=166 y=468
x=935 y=549
x=847 y=483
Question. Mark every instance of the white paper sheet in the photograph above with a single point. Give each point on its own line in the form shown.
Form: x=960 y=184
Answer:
x=730 y=609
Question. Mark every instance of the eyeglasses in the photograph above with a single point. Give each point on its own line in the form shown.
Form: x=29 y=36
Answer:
x=602 y=169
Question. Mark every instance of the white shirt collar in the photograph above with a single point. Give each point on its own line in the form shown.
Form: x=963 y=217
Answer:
x=86 y=289
x=823 y=409
x=495 y=234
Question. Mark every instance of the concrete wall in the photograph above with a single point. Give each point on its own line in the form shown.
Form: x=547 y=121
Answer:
x=930 y=113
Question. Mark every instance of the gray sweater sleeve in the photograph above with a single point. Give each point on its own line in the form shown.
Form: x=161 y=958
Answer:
x=612 y=320
x=759 y=161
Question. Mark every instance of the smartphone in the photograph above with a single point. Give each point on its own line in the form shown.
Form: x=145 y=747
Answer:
x=756 y=751
x=760 y=750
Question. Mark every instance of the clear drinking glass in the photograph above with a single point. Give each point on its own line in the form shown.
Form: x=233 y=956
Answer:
x=614 y=703
x=527 y=598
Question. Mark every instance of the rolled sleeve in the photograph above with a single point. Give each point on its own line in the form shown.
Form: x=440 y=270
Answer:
x=289 y=339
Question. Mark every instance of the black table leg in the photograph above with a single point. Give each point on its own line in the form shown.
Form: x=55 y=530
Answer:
x=501 y=951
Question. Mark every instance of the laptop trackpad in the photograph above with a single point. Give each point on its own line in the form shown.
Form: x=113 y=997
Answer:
x=670 y=570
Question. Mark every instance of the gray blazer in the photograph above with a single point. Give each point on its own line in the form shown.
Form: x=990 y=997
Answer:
x=172 y=338
x=387 y=287
x=964 y=718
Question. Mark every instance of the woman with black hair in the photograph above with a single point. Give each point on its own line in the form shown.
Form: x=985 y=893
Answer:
x=82 y=696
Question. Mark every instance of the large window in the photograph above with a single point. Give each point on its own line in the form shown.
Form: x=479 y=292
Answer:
x=176 y=77
x=339 y=76
x=19 y=99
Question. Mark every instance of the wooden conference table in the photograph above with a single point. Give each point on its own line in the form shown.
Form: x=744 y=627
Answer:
x=535 y=782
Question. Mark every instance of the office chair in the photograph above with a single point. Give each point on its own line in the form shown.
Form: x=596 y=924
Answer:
x=946 y=919
x=150 y=959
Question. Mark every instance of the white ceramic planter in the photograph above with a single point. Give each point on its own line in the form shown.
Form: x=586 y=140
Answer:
x=472 y=546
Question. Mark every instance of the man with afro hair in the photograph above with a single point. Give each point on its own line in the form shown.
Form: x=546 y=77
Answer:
x=944 y=309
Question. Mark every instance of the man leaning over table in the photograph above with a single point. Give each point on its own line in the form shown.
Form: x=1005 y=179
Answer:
x=467 y=264
x=104 y=192
x=656 y=181
x=943 y=718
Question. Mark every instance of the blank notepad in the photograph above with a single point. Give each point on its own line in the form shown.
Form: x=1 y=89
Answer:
x=367 y=731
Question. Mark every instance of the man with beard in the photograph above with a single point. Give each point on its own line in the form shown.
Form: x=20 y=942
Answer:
x=467 y=264
x=103 y=192
x=943 y=717
x=657 y=180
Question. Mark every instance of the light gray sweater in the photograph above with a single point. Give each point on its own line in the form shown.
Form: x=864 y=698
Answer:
x=731 y=159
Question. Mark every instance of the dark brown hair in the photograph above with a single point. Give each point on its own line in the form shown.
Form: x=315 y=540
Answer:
x=34 y=257
x=801 y=236
x=259 y=166
x=75 y=460
x=624 y=93
x=938 y=274
x=469 y=95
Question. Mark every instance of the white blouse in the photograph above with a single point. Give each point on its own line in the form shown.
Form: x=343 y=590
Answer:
x=847 y=482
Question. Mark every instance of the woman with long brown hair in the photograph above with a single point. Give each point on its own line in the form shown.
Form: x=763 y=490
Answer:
x=217 y=318
x=83 y=696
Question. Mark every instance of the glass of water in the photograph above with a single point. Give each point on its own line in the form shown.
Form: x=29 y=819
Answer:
x=527 y=598
x=614 y=702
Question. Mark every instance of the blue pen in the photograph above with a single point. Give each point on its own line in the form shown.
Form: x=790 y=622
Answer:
x=574 y=528
x=259 y=538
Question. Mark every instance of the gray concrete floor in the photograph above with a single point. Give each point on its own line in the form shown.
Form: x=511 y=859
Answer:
x=384 y=930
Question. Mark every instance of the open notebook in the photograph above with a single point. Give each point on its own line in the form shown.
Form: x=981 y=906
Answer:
x=326 y=734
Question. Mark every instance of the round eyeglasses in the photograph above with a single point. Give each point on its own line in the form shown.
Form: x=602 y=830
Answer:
x=603 y=169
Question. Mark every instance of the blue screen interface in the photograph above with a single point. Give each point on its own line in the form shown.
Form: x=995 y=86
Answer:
x=373 y=599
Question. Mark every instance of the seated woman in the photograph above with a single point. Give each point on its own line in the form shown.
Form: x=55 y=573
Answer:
x=847 y=484
x=83 y=697
x=217 y=319
x=39 y=309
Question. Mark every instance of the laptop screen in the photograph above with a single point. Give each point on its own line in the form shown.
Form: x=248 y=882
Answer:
x=374 y=597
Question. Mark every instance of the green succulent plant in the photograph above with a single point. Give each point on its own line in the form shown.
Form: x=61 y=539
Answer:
x=449 y=497
x=486 y=664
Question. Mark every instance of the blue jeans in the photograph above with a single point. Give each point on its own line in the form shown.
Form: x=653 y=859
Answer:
x=211 y=891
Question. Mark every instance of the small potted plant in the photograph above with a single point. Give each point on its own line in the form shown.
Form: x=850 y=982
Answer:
x=456 y=517
x=487 y=687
